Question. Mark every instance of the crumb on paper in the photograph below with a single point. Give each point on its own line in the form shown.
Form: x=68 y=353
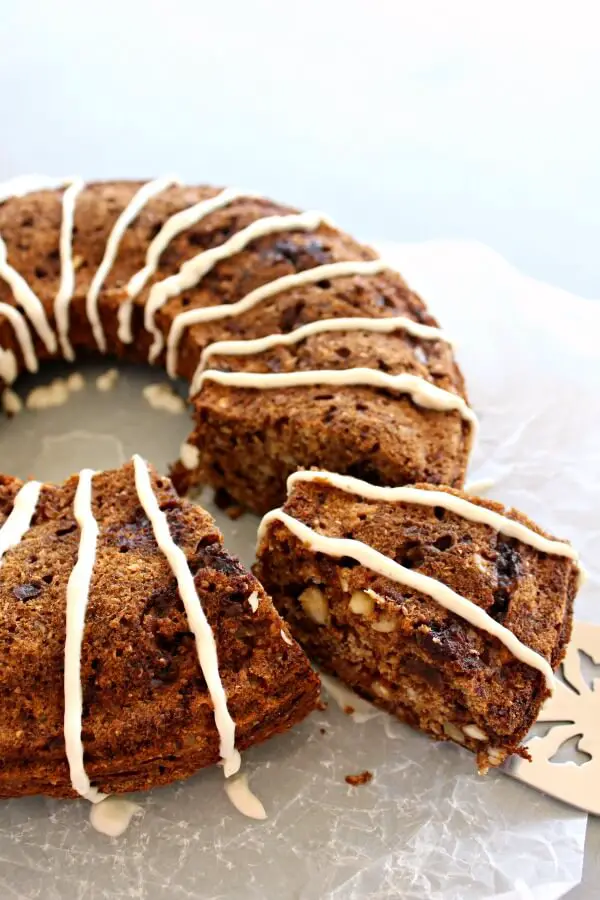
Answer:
x=11 y=402
x=321 y=706
x=108 y=380
x=349 y=710
x=163 y=397
x=323 y=730
x=48 y=395
x=363 y=778
x=75 y=382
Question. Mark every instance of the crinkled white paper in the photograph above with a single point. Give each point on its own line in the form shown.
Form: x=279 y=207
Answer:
x=427 y=826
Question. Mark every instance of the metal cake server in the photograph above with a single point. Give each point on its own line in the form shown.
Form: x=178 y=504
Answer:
x=574 y=711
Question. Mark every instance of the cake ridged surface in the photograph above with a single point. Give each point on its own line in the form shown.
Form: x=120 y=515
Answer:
x=147 y=718
x=250 y=440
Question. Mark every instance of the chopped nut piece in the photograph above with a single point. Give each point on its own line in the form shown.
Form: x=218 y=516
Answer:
x=384 y=625
x=454 y=733
x=361 y=604
x=473 y=731
x=381 y=690
x=315 y=605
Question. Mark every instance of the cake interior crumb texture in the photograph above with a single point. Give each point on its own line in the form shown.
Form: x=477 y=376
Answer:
x=398 y=647
x=147 y=715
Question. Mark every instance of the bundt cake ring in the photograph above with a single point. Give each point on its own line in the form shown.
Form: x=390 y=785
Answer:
x=138 y=649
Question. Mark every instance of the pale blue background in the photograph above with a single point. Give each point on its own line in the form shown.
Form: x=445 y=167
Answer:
x=405 y=121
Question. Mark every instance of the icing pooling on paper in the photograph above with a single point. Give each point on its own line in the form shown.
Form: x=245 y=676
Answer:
x=242 y=798
x=205 y=641
x=372 y=559
x=112 y=815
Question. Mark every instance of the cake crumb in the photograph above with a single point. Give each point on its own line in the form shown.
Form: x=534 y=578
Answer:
x=108 y=380
x=363 y=778
x=11 y=402
x=163 y=397
x=323 y=730
x=48 y=395
x=75 y=382
x=321 y=706
x=349 y=710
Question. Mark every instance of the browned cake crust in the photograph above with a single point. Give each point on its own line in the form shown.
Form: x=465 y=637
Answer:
x=398 y=647
x=147 y=715
x=250 y=440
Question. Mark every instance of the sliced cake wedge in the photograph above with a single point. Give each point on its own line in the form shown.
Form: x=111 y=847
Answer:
x=448 y=611
x=134 y=649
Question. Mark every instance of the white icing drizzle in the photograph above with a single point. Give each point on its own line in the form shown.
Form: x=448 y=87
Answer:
x=8 y=366
x=112 y=815
x=19 y=520
x=476 y=488
x=19 y=187
x=422 y=392
x=458 y=505
x=192 y=272
x=359 y=323
x=22 y=185
x=264 y=292
x=286 y=638
x=253 y=601
x=189 y=456
x=199 y=625
x=78 y=589
x=129 y=214
x=163 y=397
x=23 y=335
x=67 y=268
x=175 y=225
x=30 y=302
x=242 y=797
x=372 y=559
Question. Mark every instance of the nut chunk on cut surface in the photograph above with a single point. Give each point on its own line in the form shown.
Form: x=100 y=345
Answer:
x=148 y=715
x=449 y=611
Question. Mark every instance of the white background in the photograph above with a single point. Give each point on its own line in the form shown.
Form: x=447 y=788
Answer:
x=405 y=121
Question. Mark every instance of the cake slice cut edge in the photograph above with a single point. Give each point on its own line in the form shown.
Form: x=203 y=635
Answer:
x=398 y=646
x=147 y=715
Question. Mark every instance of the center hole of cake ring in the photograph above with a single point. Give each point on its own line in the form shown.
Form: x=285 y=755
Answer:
x=95 y=415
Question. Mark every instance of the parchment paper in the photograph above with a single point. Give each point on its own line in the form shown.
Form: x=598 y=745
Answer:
x=427 y=826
